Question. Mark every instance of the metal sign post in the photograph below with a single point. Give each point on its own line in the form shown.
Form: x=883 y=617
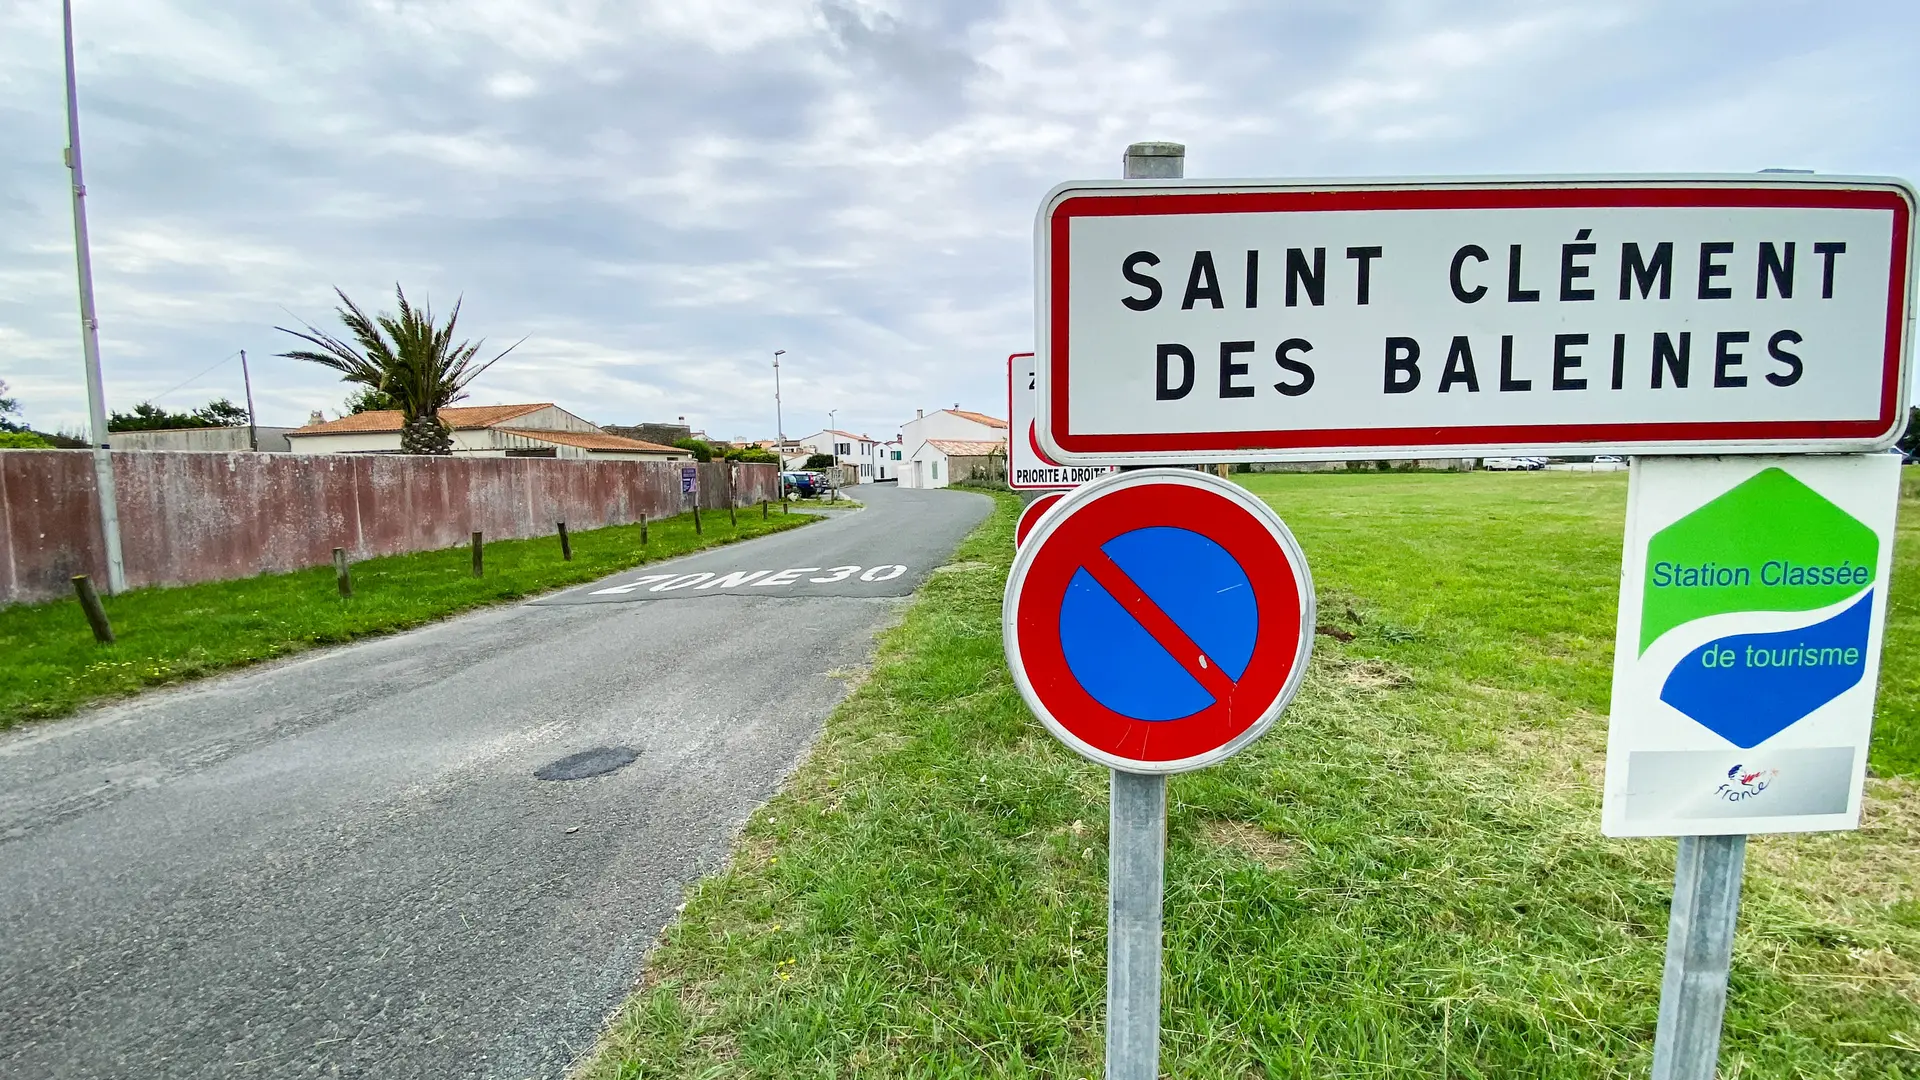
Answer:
x=1693 y=990
x=1136 y=823
x=1155 y=621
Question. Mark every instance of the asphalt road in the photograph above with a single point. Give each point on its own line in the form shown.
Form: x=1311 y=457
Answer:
x=344 y=864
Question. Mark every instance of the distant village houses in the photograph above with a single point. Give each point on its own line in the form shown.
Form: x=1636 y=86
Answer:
x=952 y=444
x=541 y=429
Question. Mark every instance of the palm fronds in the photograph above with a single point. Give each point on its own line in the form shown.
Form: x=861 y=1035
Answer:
x=406 y=355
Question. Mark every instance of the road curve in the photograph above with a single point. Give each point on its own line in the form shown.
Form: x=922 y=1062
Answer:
x=345 y=864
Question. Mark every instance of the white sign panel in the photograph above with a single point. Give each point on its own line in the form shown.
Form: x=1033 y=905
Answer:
x=1027 y=466
x=1210 y=321
x=1753 y=597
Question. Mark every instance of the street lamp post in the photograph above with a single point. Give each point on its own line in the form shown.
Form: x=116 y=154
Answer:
x=779 y=425
x=833 y=440
x=90 y=331
x=779 y=432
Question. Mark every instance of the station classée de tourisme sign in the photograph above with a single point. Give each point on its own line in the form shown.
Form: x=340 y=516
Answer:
x=1189 y=321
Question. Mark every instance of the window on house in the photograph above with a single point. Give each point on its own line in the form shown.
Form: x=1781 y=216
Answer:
x=842 y=449
x=936 y=470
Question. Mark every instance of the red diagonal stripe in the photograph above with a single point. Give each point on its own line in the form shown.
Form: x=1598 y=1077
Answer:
x=1159 y=625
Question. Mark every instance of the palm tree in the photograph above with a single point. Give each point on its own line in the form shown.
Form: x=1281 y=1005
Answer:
x=405 y=356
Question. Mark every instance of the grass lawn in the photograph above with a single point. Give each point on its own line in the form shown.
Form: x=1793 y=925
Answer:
x=1405 y=878
x=167 y=635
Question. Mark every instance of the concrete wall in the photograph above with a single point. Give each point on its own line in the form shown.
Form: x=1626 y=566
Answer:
x=273 y=440
x=210 y=517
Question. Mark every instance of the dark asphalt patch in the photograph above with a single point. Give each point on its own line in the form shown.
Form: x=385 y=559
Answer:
x=598 y=761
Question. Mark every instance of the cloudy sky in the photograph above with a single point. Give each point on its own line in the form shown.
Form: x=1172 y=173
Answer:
x=658 y=195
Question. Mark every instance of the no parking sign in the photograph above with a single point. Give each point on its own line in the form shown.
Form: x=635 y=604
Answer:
x=1159 y=621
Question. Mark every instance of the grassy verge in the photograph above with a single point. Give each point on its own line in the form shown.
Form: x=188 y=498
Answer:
x=1403 y=879
x=167 y=635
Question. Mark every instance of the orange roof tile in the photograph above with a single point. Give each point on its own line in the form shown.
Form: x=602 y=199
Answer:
x=458 y=417
x=967 y=447
x=588 y=440
x=978 y=418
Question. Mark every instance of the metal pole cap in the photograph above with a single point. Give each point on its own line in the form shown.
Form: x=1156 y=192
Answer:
x=1155 y=161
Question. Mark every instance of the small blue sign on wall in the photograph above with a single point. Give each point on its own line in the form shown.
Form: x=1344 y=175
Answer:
x=689 y=479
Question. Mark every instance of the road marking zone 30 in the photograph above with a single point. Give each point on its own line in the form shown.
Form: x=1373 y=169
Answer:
x=754 y=579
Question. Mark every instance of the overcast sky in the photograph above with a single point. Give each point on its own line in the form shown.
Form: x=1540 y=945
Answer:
x=660 y=195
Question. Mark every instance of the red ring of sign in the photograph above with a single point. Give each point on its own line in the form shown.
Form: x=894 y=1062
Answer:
x=1031 y=515
x=1269 y=566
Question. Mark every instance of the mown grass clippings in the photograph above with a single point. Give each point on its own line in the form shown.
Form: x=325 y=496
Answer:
x=1404 y=878
x=171 y=635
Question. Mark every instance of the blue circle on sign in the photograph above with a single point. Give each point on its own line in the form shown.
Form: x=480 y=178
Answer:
x=1119 y=661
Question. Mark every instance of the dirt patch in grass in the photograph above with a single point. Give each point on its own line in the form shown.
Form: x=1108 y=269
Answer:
x=1370 y=674
x=1250 y=841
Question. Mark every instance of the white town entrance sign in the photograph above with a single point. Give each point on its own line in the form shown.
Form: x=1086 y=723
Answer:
x=1210 y=321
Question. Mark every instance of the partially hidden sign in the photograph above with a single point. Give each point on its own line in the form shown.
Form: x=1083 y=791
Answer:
x=1028 y=467
x=1209 y=321
x=1752 y=604
x=1158 y=621
x=1031 y=514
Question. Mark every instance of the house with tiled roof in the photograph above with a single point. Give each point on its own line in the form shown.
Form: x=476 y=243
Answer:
x=937 y=445
x=540 y=429
x=860 y=454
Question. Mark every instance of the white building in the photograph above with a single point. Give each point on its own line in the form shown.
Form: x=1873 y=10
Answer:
x=535 y=430
x=860 y=452
x=892 y=460
x=940 y=462
x=931 y=443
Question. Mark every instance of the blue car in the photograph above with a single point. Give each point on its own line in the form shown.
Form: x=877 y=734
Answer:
x=803 y=485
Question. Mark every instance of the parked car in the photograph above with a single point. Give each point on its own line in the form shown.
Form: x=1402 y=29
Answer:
x=805 y=485
x=1504 y=464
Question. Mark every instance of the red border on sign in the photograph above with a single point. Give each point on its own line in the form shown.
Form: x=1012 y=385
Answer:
x=1498 y=198
x=1069 y=545
x=1031 y=515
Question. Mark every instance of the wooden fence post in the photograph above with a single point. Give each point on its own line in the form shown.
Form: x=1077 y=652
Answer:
x=566 y=546
x=479 y=560
x=696 y=515
x=96 y=614
x=763 y=509
x=341 y=575
x=643 y=530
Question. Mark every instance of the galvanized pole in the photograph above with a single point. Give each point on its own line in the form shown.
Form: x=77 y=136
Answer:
x=779 y=425
x=1137 y=836
x=90 y=332
x=1136 y=872
x=246 y=379
x=1693 y=990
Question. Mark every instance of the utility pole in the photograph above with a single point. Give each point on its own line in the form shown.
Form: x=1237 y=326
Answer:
x=253 y=429
x=833 y=437
x=90 y=331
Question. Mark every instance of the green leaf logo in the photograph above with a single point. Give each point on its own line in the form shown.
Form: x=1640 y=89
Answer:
x=1770 y=544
